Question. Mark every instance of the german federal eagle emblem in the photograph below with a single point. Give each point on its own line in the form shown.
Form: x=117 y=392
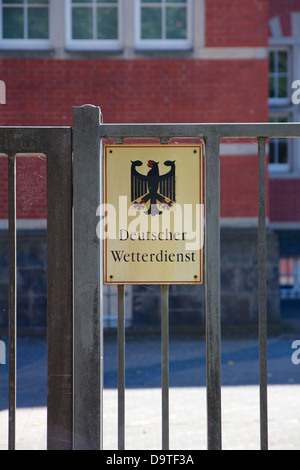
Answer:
x=148 y=190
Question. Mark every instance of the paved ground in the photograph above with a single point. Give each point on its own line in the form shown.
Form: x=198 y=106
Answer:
x=240 y=395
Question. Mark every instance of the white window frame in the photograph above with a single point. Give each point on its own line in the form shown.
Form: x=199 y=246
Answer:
x=282 y=167
x=24 y=44
x=286 y=100
x=91 y=44
x=162 y=44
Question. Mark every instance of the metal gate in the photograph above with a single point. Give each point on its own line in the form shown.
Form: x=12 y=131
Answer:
x=56 y=144
x=75 y=274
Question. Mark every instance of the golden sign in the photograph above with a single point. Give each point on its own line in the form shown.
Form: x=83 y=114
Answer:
x=152 y=217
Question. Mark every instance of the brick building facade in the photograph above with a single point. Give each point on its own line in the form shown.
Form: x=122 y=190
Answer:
x=152 y=62
x=284 y=167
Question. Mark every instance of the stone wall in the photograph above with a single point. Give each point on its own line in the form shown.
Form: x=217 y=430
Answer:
x=31 y=279
x=187 y=303
x=239 y=284
x=239 y=277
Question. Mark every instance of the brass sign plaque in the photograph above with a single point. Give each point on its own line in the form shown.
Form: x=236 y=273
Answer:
x=152 y=218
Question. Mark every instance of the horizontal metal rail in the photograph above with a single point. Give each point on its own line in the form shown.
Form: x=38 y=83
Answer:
x=230 y=130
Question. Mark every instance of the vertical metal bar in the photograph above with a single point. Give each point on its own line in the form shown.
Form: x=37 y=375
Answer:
x=262 y=293
x=88 y=324
x=101 y=290
x=165 y=365
x=212 y=292
x=12 y=302
x=58 y=147
x=121 y=368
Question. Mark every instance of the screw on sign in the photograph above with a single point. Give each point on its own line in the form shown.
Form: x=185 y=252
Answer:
x=2 y=92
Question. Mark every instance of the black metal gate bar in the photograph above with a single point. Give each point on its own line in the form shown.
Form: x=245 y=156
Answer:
x=12 y=302
x=212 y=289
x=165 y=365
x=121 y=368
x=262 y=293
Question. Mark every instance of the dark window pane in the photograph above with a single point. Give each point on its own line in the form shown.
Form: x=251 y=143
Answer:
x=282 y=87
x=13 y=23
x=151 y=23
x=107 y=23
x=272 y=152
x=282 y=119
x=272 y=62
x=271 y=87
x=282 y=152
x=12 y=1
x=82 y=23
x=282 y=62
x=38 y=23
x=176 y=27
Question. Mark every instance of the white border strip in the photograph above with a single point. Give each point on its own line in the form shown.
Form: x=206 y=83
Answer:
x=233 y=53
x=26 y=224
x=233 y=148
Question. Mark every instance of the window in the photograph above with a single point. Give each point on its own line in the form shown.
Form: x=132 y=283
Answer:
x=24 y=24
x=93 y=24
x=278 y=76
x=163 y=24
x=279 y=159
x=289 y=278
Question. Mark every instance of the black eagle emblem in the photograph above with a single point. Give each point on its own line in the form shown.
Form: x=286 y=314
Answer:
x=153 y=187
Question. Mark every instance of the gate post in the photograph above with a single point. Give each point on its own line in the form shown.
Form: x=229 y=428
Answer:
x=88 y=343
x=58 y=147
x=213 y=290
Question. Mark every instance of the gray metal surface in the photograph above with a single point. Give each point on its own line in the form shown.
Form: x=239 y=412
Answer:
x=121 y=367
x=234 y=130
x=165 y=365
x=212 y=134
x=262 y=292
x=60 y=291
x=83 y=416
x=212 y=291
x=56 y=143
x=88 y=344
x=12 y=390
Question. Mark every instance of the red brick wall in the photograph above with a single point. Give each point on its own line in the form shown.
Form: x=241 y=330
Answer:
x=284 y=193
x=236 y=23
x=283 y=9
x=239 y=186
x=285 y=197
x=43 y=92
x=31 y=188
